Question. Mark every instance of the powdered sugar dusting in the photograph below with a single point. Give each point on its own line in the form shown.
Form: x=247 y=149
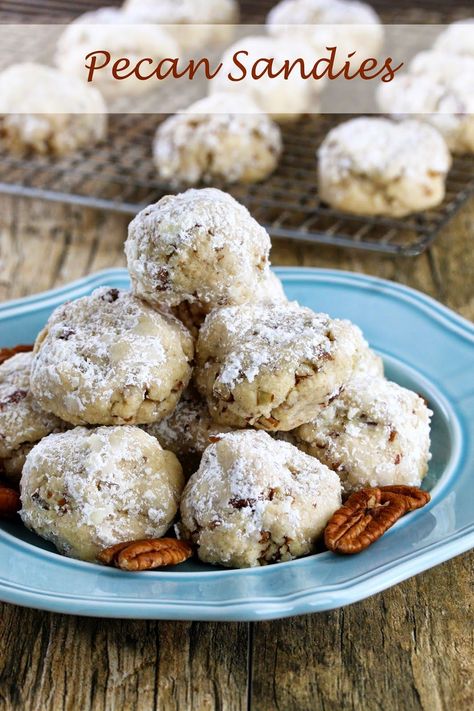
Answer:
x=87 y=489
x=374 y=433
x=105 y=351
x=255 y=500
x=22 y=420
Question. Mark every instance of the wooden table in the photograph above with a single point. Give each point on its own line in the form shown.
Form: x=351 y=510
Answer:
x=410 y=647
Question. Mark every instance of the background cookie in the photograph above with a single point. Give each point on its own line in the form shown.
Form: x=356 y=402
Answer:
x=373 y=166
x=74 y=115
x=438 y=90
x=211 y=16
x=109 y=358
x=285 y=100
x=211 y=142
x=123 y=36
x=317 y=23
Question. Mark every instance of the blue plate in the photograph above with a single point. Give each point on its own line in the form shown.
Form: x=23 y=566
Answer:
x=425 y=347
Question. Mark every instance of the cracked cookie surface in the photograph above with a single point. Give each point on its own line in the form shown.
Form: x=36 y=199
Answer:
x=375 y=166
x=255 y=500
x=217 y=138
x=22 y=421
x=109 y=358
x=273 y=366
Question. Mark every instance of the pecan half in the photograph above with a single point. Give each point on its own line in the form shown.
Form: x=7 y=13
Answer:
x=367 y=514
x=6 y=353
x=413 y=497
x=9 y=502
x=146 y=554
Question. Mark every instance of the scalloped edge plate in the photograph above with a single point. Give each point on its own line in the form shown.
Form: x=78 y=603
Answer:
x=424 y=345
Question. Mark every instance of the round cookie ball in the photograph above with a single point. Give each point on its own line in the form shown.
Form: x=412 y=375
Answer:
x=457 y=38
x=443 y=66
x=210 y=16
x=273 y=365
x=22 y=421
x=348 y=25
x=74 y=115
x=122 y=36
x=375 y=433
x=188 y=430
x=196 y=251
x=221 y=138
x=285 y=100
x=255 y=500
x=110 y=359
x=438 y=97
x=374 y=166
x=88 y=489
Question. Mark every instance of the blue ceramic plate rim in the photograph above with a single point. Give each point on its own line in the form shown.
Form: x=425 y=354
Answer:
x=298 y=600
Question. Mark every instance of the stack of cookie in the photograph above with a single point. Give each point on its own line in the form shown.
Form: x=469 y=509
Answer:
x=202 y=372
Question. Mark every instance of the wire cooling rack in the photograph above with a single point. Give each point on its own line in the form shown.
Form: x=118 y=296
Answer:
x=119 y=175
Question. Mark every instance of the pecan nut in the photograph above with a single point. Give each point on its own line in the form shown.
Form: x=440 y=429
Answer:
x=9 y=502
x=413 y=497
x=367 y=514
x=146 y=554
x=6 y=353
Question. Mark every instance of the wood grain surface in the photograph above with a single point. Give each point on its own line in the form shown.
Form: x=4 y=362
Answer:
x=409 y=648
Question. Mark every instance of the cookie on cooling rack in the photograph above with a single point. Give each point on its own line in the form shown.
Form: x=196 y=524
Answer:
x=74 y=115
x=375 y=433
x=374 y=166
x=255 y=500
x=210 y=16
x=347 y=24
x=457 y=38
x=122 y=36
x=22 y=421
x=88 y=489
x=439 y=90
x=198 y=250
x=285 y=100
x=111 y=359
x=221 y=138
x=273 y=366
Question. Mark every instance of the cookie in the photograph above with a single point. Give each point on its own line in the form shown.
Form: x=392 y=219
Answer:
x=374 y=166
x=88 y=489
x=347 y=24
x=22 y=421
x=285 y=100
x=210 y=142
x=375 y=433
x=255 y=500
x=188 y=431
x=211 y=18
x=273 y=366
x=439 y=90
x=457 y=38
x=195 y=251
x=110 y=359
x=122 y=36
x=74 y=115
